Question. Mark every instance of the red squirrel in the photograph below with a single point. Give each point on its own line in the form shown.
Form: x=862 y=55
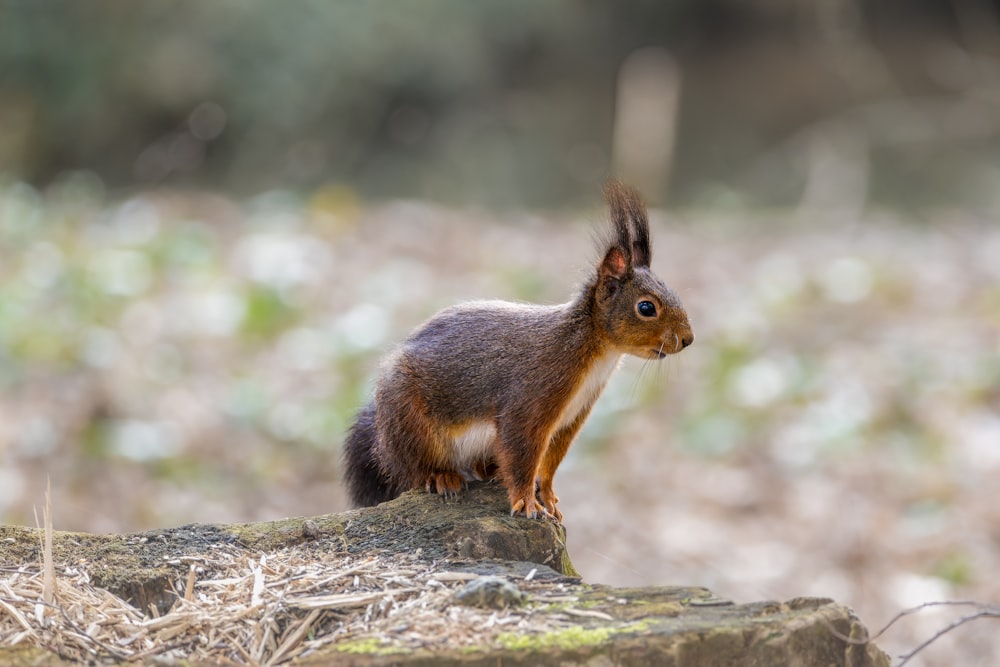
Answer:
x=495 y=388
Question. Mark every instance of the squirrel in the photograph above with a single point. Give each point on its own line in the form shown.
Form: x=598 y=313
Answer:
x=491 y=388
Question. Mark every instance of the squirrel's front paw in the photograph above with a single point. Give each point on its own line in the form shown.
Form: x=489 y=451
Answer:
x=526 y=504
x=446 y=484
x=528 y=507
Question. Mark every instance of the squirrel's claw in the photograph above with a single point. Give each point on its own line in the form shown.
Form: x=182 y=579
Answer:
x=529 y=507
x=549 y=500
x=551 y=510
x=446 y=484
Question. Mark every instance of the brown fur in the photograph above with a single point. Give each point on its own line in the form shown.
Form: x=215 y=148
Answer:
x=488 y=387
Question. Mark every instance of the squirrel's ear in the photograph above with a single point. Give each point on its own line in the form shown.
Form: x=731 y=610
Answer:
x=617 y=195
x=614 y=265
x=628 y=213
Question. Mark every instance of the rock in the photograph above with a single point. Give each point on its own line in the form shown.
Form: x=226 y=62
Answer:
x=457 y=582
x=489 y=593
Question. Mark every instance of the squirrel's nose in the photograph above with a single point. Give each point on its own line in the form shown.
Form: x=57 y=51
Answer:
x=687 y=339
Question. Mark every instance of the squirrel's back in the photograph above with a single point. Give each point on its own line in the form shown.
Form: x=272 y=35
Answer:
x=492 y=336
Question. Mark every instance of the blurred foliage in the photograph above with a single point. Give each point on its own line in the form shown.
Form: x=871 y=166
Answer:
x=243 y=93
x=266 y=313
x=501 y=102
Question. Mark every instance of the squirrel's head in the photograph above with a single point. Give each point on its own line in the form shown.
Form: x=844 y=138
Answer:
x=641 y=315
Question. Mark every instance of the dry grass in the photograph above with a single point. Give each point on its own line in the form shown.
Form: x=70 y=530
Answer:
x=265 y=610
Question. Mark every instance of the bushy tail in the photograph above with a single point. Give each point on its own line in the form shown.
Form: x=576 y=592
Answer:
x=366 y=484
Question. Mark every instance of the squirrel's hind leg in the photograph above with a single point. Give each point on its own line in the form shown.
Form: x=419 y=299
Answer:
x=448 y=483
x=415 y=450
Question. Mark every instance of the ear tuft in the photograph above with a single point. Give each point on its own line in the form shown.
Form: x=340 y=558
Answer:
x=628 y=214
x=616 y=194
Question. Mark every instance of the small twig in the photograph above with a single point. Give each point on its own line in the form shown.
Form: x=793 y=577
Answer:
x=925 y=605
x=48 y=563
x=984 y=611
x=189 y=588
x=588 y=613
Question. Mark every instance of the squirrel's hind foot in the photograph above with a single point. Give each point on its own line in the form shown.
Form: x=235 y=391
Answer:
x=447 y=484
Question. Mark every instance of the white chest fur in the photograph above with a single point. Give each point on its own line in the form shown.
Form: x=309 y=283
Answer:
x=475 y=442
x=591 y=387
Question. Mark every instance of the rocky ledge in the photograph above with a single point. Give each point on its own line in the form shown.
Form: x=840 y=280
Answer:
x=416 y=581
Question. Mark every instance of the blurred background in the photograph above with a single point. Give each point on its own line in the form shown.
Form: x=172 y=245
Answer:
x=215 y=217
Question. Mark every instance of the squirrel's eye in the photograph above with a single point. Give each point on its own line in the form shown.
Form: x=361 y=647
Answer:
x=646 y=308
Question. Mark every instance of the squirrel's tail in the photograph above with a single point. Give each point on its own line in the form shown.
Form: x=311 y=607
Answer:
x=366 y=484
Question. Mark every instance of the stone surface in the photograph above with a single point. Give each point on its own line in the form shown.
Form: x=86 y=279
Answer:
x=667 y=626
